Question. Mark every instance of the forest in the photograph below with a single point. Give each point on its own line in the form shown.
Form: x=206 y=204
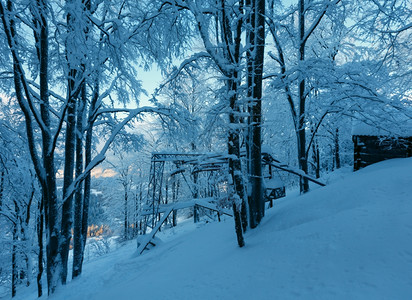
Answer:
x=107 y=104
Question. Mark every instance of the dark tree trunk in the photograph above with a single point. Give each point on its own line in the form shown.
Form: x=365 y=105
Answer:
x=235 y=168
x=196 y=216
x=14 y=267
x=70 y=146
x=238 y=226
x=27 y=272
x=40 y=226
x=337 y=154
x=126 y=211
x=316 y=158
x=81 y=199
x=1 y=187
x=255 y=76
x=232 y=55
x=303 y=161
x=44 y=168
x=227 y=59
x=50 y=189
x=78 y=198
x=175 y=189
x=250 y=38
x=87 y=181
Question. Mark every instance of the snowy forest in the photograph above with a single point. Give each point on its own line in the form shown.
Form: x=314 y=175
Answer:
x=121 y=118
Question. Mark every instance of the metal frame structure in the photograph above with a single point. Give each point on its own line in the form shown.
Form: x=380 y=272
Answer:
x=200 y=162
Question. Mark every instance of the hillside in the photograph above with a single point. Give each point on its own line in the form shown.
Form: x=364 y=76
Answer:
x=349 y=240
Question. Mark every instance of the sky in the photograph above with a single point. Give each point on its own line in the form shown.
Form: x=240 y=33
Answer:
x=151 y=79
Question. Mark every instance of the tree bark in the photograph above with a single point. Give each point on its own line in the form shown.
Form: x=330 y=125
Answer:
x=81 y=199
x=232 y=55
x=14 y=268
x=1 y=188
x=337 y=151
x=40 y=226
x=255 y=69
x=78 y=197
x=302 y=157
x=126 y=208
x=235 y=168
x=87 y=181
x=44 y=168
x=316 y=158
x=67 y=209
x=70 y=145
x=50 y=188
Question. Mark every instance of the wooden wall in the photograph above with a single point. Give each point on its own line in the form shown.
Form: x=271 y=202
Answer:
x=372 y=149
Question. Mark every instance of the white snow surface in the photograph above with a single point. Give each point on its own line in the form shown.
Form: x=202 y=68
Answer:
x=402 y=127
x=349 y=240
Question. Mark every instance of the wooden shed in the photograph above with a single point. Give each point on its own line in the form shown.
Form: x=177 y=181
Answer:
x=372 y=145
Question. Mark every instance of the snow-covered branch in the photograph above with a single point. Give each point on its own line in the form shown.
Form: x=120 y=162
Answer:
x=99 y=158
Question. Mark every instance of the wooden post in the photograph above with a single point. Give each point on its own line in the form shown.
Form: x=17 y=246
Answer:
x=174 y=218
x=195 y=214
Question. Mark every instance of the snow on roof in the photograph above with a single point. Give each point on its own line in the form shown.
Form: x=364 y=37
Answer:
x=402 y=129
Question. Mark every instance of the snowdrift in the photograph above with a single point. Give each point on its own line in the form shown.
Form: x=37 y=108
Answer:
x=349 y=240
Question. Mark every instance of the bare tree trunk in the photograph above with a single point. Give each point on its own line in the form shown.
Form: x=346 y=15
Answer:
x=67 y=209
x=235 y=168
x=40 y=225
x=27 y=272
x=1 y=187
x=45 y=168
x=15 y=271
x=303 y=161
x=316 y=158
x=250 y=38
x=337 y=154
x=78 y=198
x=69 y=147
x=255 y=69
x=50 y=186
x=126 y=210
x=14 y=267
x=87 y=181
x=82 y=195
x=232 y=55
x=196 y=216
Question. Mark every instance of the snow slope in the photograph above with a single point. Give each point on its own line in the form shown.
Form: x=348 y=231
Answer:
x=349 y=240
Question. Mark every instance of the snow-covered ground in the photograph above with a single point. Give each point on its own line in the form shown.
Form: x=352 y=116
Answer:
x=349 y=240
